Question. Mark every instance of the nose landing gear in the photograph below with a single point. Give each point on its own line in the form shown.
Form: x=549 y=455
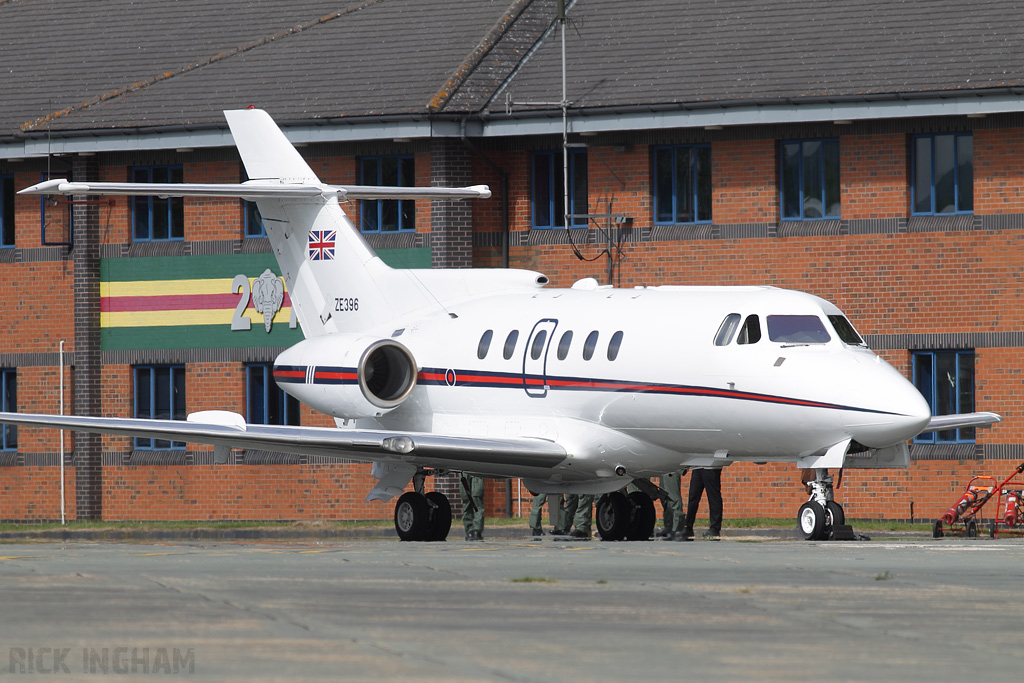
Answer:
x=821 y=517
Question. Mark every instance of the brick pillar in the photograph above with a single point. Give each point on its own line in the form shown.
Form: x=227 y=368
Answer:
x=87 y=376
x=451 y=242
x=451 y=222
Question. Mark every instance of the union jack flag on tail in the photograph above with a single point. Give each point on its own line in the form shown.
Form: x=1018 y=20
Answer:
x=321 y=245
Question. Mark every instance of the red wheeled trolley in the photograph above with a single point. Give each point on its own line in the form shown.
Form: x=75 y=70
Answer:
x=1009 y=517
x=963 y=517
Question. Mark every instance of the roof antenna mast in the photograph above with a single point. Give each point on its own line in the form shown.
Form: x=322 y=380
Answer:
x=566 y=210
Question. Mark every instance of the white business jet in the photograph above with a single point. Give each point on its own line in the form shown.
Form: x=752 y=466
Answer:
x=579 y=390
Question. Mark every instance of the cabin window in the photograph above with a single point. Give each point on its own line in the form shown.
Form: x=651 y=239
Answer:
x=387 y=215
x=6 y=211
x=485 y=344
x=845 y=330
x=727 y=329
x=589 y=345
x=159 y=395
x=750 y=333
x=157 y=218
x=682 y=184
x=510 y=344
x=537 y=348
x=266 y=403
x=9 y=404
x=563 y=345
x=614 y=345
x=809 y=179
x=797 y=329
x=946 y=380
x=942 y=172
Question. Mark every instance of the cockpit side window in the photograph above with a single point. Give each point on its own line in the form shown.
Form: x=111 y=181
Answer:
x=797 y=329
x=845 y=330
x=727 y=329
x=750 y=333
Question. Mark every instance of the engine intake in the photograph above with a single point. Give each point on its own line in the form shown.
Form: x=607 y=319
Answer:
x=387 y=374
x=347 y=375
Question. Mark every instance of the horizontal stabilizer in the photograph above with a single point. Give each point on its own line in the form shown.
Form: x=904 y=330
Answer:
x=253 y=190
x=941 y=423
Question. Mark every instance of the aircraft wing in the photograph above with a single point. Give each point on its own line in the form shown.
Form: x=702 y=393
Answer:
x=254 y=190
x=228 y=430
x=943 y=422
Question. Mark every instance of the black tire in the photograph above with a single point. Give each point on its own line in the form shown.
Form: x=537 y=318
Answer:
x=439 y=515
x=811 y=521
x=937 y=529
x=992 y=529
x=612 y=516
x=834 y=514
x=643 y=517
x=412 y=516
x=972 y=529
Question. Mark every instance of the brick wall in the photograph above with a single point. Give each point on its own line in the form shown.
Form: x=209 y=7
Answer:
x=898 y=281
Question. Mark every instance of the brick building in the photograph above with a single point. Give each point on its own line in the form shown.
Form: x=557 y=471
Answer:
x=878 y=166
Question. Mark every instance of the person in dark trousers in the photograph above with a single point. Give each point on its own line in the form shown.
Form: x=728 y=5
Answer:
x=701 y=480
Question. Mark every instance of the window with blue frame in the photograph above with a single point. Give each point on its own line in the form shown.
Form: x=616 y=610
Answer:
x=9 y=404
x=809 y=179
x=157 y=219
x=946 y=380
x=547 y=191
x=942 y=169
x=387 y=215
x=682 y=184
x=266 y=403
x=6 y=211
x=159 y=395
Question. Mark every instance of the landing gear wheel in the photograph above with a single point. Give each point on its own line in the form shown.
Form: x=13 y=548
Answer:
x=412 y=516
x=643 y=517
x=811 y=520
x=440 y=516
x=835 y=514
x=937 y=529
x=972 y=529
x=613 y=516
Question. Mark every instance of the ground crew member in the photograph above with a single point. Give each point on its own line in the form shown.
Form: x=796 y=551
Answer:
x=471 y=491
x=673 y=508
x=554 y=511
x=701 y=480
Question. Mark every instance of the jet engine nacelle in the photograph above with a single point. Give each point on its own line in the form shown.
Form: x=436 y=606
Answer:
x=348 y=375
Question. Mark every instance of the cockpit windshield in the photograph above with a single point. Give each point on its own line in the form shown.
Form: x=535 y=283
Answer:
x=845 y=330
x=797 y=329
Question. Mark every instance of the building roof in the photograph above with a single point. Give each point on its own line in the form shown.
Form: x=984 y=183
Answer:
x=128 y=67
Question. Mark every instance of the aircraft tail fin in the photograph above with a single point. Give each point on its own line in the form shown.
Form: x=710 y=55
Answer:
x=335 y=280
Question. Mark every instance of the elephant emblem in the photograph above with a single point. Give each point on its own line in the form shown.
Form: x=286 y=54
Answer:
x=267 y=296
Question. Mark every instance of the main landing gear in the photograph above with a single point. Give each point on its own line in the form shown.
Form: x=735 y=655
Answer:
x=820 y=515
x=423 y=516
x=626 y=516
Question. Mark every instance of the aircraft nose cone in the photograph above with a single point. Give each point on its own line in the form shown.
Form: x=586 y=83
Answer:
x=893 y=409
